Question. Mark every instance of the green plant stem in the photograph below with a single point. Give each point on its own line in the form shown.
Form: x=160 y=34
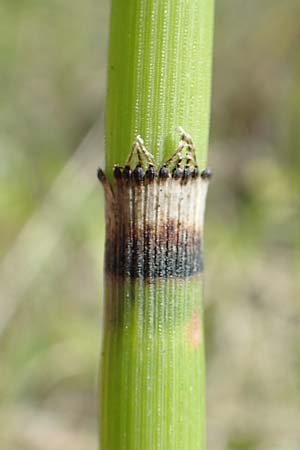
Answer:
x=152 y=377
x=159 y=76
x=153 y=367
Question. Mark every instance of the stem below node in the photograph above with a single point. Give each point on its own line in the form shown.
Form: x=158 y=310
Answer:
x=153 y=368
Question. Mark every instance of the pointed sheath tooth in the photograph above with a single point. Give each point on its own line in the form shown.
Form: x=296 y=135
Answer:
x=138 y=174
x=186 y=174
x=105 y=184
x=127 y=173
x=206 y=174
x=151 y=173
x=164 y=173
x=117 y=172
x=195 y=173
x=177 y=173
x=101 y=175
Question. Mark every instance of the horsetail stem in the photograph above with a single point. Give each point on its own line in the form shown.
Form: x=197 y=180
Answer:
x=159 y=76
x=152 y=377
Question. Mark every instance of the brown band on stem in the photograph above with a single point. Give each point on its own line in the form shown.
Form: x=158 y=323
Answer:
x=154 y=220
x=154 y=226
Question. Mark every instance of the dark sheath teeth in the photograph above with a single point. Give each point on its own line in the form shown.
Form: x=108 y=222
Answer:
x=127 y=173
x=177 y=173
x=195 y=173
x=138 y=174
x=164 y=173
x=117 y=172
x=186 y=173
x=206 y=174
x=151 y=173
x=101 y=175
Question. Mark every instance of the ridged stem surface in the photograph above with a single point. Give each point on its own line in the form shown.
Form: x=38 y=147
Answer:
x=159 y=76
x=152 y=376
x=153 y=371
x=152 y=368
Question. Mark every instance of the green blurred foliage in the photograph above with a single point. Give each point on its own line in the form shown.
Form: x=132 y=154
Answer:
x=52 y=88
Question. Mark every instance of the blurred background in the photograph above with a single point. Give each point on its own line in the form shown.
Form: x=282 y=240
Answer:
x=52 y=87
